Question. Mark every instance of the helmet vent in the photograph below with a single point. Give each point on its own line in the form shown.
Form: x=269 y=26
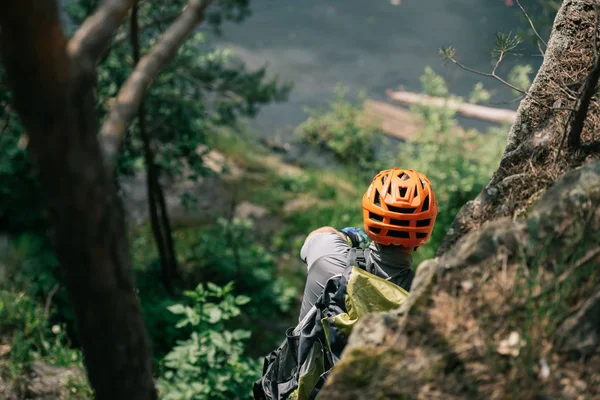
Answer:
x=403 y=176
x=376 y=231
x=402 y=210
x=390 y=189
x=400 y=222
x=398 y=234
x=425 y=204
x=403 y=191
x=422 y=183
x=375 y=217
x=423 y=222
x=421 y=235
x=377 y=200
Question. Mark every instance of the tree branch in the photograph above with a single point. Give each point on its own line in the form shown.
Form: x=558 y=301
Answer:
x=132 y=92
x=533 y=27
x=94 y=35
x=589 y=89
x=504 y=82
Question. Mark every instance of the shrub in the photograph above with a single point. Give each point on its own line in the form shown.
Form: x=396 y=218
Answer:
x=210 y=364
x=344 y=130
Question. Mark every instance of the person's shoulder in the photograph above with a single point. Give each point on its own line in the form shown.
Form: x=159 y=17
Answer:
x=321 y=244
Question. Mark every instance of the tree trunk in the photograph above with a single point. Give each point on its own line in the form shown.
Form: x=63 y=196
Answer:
x=533 y=158
x=159 y=219
x=55 y=100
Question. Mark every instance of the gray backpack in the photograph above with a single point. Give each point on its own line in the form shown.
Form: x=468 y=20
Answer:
x=298 y=368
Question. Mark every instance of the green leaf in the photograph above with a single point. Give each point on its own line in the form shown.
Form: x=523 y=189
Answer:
x=215 y=315
x=182 y=323
x=241 y=300
x=216 y=290
x=217 y=339
x=240 y=334
x=177 y=309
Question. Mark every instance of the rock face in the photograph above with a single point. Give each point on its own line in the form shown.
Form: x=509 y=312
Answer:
x=50 y=382
x=47 y=382
x=496 y=317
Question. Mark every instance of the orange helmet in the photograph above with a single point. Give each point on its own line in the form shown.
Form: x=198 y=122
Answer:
x=399 y=208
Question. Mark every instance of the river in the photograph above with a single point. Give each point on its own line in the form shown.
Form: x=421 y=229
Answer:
x=369 y=45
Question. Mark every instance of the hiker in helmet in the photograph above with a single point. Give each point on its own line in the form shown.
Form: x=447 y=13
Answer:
x=399 y=211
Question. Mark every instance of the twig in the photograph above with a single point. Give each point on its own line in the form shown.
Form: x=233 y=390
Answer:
x=489 y=75
x=93 y=36
x=49 y=299
x=533 y=27
x=564 y=136
x=5 y=127
x=498 y=78
x=133 y=90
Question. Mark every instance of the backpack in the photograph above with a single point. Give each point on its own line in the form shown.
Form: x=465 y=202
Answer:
x=298 y=368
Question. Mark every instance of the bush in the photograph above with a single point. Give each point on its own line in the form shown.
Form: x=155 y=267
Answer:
x=228 y=251
x=31 y=336
x=210 y=364
x=344 y=130
x=223 y=252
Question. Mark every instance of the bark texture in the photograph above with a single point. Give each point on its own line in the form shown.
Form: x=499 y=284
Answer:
x=56 y=104
x=53 y=85
x=533 y=158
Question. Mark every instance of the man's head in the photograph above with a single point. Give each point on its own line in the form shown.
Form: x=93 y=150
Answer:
x=399 y=208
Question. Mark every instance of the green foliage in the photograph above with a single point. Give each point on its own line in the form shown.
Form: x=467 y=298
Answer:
x=210 y=364
x=519 y=76
x=227 y=251
x=202 y=88
x=33 y=264
x=458 y=162
x=34 y=338
x=344 y=130
x=479 y=94
x=30 y=267
x=506 y=43
x=20 y=204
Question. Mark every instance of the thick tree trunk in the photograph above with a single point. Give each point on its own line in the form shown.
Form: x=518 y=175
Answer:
x=535 y=156
x=55 y=99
